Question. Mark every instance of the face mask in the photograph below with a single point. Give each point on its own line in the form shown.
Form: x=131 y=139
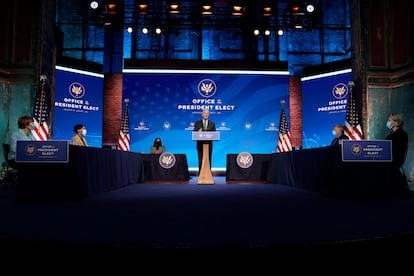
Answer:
x=389 y=126
x=32 y=127
x=333 y=133
x=84 y=132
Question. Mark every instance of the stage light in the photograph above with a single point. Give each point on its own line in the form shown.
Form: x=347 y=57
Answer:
x=256 y=32
x=267 y=32
x=158 y=31
x=280 y=32
x=130 y=30
x=310 y=8
x=298 y=26
x=144 y=30
x=94 y=5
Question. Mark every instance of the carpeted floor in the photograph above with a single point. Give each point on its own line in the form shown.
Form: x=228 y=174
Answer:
x=192 y=216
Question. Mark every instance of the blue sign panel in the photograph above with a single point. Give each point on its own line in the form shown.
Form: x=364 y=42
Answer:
x=367 y=151
x=245 y=106
x=324 y=103
x=78 y=100
x=51 y=151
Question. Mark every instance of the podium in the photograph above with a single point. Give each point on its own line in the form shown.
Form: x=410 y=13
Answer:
x=205 y=176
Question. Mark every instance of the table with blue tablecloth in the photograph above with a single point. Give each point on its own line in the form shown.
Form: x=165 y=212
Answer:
x=89 y=171
x=322 y=170
x=152 y=170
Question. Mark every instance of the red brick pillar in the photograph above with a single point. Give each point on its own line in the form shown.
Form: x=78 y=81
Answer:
x=112 y=109
x=295 y=108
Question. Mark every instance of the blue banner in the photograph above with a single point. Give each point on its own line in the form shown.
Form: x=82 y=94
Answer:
x=245 y=107
x=51 y=151
x=78 y=100
x=367 y=151
x=324 y=103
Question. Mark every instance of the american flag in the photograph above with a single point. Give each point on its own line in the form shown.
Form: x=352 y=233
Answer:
x=284 y=142
x=353 y=127
x=41 y=111
x=123 y=143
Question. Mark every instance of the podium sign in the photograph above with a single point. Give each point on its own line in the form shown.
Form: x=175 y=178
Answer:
x=53 y=151
x=367 y=151
x=206 y=135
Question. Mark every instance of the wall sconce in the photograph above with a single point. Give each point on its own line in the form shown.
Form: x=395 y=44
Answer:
x=267 y=11
x=238 y=10
x=142 y=6
x=173 y=7
x=207 y=9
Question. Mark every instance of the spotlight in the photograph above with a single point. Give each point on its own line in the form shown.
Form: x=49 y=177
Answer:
x=94 y=5
x=158 y=30
x=144 y=30
x=280 y=32
x=267 y=32
x=130 y=30
x=256 y=32
x=310 y=8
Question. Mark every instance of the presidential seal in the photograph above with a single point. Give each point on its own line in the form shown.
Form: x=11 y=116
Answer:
x=207 y=88
x=244 y=160
x=167 y=160
x=340 y=91
x=77 y=90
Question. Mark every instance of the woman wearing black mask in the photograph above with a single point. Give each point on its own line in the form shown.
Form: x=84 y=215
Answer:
x=157 y=147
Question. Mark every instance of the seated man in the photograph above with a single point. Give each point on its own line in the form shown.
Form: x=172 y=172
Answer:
x=338 y=131
x=25 y=126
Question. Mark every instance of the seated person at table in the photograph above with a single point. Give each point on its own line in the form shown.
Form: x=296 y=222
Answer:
x=157 y=147
x=338 y=131
x=399 y=140
x=25 y=125
x=79 y=138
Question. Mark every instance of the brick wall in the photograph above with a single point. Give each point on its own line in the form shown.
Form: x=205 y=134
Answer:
x=112 y=111
x=295 y=107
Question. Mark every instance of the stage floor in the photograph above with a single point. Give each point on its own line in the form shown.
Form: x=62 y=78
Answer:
x=191 y=216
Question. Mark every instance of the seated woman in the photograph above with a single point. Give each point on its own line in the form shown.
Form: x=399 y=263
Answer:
x=157 y=147
x=79 y=138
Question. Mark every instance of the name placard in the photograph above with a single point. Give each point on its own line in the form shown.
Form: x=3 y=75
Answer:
x=51 y=151
x=367 y=151
x=206 y=135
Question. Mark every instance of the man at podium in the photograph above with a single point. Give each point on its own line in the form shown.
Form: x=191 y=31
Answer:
x=204 y=125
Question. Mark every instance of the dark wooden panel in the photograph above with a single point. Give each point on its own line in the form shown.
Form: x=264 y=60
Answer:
x=4 y=31
x=25 y=13
x=400 y=27
x=377 y=34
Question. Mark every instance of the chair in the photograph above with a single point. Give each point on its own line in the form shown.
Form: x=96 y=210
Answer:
x=6 y=151
x=8 y=173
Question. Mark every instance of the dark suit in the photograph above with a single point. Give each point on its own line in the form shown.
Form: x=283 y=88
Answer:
x=211 y=126
x=336 y=142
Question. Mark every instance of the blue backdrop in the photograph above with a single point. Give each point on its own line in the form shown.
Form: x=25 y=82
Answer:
x=78 y=100
x=324 y=103
x=245 y=107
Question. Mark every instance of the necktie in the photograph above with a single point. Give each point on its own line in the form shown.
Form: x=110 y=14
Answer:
x=205 y=124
